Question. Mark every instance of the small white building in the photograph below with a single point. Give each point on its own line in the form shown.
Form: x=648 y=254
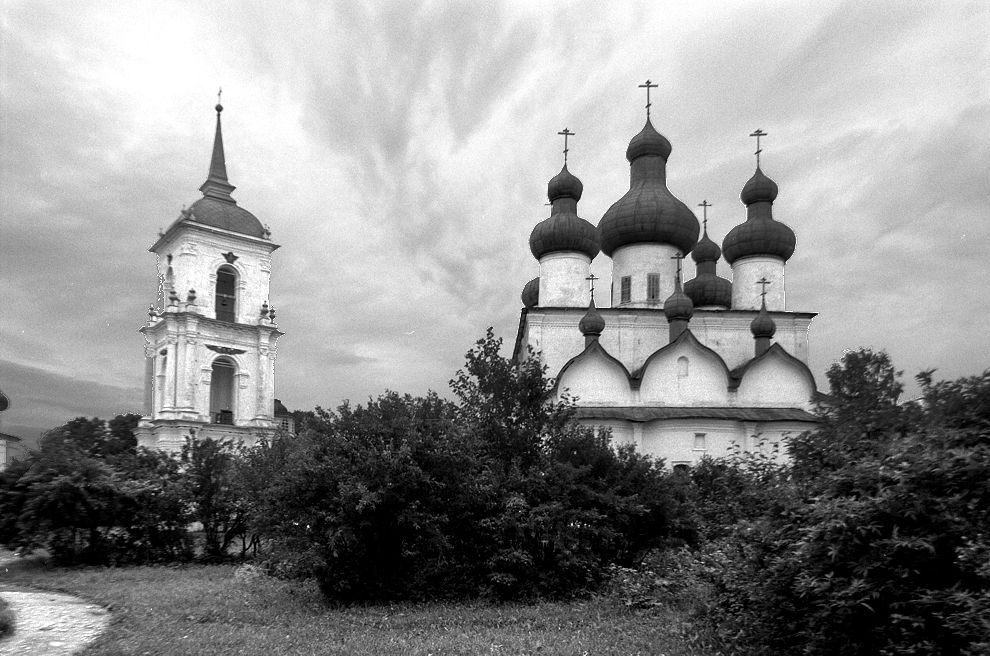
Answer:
x=678 y=372
x=210 y=343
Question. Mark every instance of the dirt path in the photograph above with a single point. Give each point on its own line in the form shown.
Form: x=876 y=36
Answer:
x=50 y=623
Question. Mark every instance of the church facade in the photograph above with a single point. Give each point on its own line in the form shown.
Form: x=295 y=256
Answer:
x=680 y=370
x=210 y=343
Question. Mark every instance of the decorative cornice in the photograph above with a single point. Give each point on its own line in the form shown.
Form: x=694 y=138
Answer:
x=225 y=350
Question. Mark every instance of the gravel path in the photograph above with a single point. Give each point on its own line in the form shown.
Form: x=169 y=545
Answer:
x=50 y=623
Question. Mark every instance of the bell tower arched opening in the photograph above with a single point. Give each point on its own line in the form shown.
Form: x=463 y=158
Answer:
x=222 y=391
x=226 y=293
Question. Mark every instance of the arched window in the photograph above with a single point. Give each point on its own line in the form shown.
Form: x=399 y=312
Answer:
x=682 y=367
x=222 y=391
x=226 y=296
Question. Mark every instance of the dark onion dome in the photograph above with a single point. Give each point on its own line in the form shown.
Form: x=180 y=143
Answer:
x=707 y=288
x=592 y=324
x=531 y=293
x=564 y=185
x=678 y=305
x=763 y=326
x=648 y=212
x=706 y=250
x=648 y=142
x=564 y=230
x=760 y=234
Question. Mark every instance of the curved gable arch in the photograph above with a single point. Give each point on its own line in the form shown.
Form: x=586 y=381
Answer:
x=776 y=379
x=685 y=372
x=594 y=377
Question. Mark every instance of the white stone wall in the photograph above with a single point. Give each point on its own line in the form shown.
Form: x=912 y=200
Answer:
x=178 y=381
x=638 y=260
x=197 y=254
x=632 y=336
x=745 y=290
x=684 y=376
x=773 y=382
x=598 y=381
x=675 y=440
x=563 y=279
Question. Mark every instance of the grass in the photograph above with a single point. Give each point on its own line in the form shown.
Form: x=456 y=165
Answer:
x=206 y=610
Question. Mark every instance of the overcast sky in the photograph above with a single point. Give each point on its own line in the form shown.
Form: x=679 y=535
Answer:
x=400 y=153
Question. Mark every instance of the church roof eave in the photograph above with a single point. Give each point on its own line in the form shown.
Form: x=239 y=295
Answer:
x=191 y=223
x=593 y=347
x=685 y=337
x=775 y=350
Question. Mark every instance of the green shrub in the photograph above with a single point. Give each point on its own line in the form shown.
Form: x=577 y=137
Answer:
x=879 y=543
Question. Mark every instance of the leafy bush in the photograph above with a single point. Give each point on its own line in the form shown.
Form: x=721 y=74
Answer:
x=501 y=495
x=879 y=543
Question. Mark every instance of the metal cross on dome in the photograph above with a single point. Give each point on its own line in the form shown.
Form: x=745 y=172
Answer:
x=704 y=205
x=648 y=85
x=758 y=133
x=592 y=278
x=763 y=291
x=678 y=256
x=566 y=133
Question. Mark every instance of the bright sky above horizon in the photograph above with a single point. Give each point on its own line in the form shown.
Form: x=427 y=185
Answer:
x=400 y=153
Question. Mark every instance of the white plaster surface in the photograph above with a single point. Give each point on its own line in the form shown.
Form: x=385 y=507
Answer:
x=638 y=260
x=563 y=279
x=745 y=289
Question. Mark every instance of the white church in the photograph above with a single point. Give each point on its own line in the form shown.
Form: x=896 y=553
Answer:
x=210 y=345
x=679 y=371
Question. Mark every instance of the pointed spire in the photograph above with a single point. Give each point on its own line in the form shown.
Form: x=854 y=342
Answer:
x=216 y=185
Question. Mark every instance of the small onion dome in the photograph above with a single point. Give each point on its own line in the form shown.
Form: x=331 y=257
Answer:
x=648 y=212
x=648 y=142
x=564 y=230
x=531 y=293
x=707 y=288
x=706 y=250
x=678 y=305
x=760 y=234
x=763 y=326
x=592 y=324
x=759 y=188
x=564 y=185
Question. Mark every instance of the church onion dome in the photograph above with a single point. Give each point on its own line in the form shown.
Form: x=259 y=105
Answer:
x=564 y=185
x=706 y=250
x=707 y=288
x=760 y=234
x=763 y=326
x=217 y=207
x=531 y=293
x=678 y=305
x=592 y=323
x=648 y=142
x=564 y=230
x=648 y=212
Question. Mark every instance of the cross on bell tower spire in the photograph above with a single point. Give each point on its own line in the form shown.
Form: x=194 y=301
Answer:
x=648 y=85
x=566 y=133
x=758 y=133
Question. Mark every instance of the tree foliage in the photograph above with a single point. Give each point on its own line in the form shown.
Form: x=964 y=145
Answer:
x=880 y=543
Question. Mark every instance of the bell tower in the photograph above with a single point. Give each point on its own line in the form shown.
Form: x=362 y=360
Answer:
x=210 y=341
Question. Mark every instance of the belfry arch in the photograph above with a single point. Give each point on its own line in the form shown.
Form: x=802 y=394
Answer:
x=223 y=377
x=226 y=293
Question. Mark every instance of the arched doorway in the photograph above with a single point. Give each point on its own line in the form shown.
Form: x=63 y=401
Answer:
x=222 y=391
